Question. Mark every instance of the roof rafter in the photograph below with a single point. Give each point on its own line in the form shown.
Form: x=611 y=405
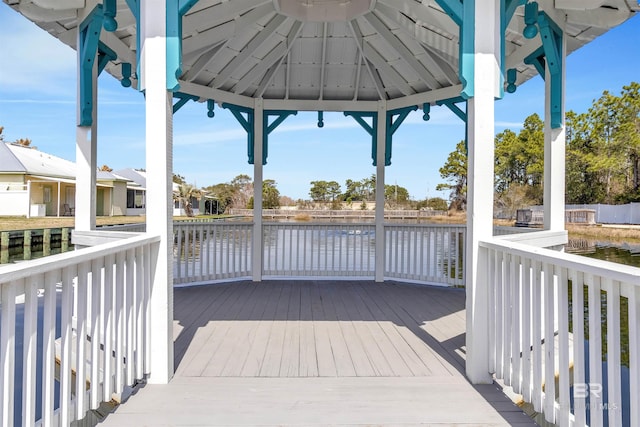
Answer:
x=422 y=13
x=219 y=14
x=202 y=62
x=386 y=69
x=264 y=35
x=359 y=39
x=273 y=66
x=323 y=59
x=402 y=50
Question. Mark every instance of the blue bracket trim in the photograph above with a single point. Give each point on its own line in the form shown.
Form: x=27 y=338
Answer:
x=105 y=54
x=211 y=105
x=176 y=9
x=391 y=127
x=110 y=24
x=281 y=116
x=549 y=54
x=426 y=111
x=467 y=49
x=89 y=40
x=537 y=60
x=134 y=6
x=359 y=117
x=512 y=75
x=453 y=8
x=246 y=123
x=126 y=74
x=507 y=10
x=320 y=119
x=183 y=98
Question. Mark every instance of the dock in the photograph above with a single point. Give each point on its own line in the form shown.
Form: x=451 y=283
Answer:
x=318 y=353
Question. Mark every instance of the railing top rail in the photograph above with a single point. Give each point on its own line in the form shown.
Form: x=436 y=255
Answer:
x=614 y=271
x=18 y=271
x=319 y=224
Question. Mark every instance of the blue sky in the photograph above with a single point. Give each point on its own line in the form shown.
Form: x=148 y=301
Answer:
x=38 y=94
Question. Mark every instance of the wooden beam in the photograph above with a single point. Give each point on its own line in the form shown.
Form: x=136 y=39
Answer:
x=359 y=39
x=386 y=69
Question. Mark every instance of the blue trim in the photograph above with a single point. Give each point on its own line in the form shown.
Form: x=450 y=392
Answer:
x=110 y=24
x=320 y=119
x=512 y=75
x=134 y=6
x=183 y=98
x=281 y=116
x=462 y=115
x=392 y=126
x=370 y=129
x=426 y=110
x=467 y=49
x=550 y=53
x=105 y=54
x=176 y=9
x=126 y=74
x=507 y=10
x=246 y=123
x=536 y=59
x=551 y=36
x=211 y=105
x=89 y=39
x=453 y=8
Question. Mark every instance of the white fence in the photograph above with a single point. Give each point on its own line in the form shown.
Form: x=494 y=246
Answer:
x=14 y=201
x=101 y=297
x=545 y=305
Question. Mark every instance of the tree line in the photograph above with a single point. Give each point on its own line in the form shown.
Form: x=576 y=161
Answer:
x=602 y=157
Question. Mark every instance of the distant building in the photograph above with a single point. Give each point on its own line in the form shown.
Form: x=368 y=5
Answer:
x=34 y=183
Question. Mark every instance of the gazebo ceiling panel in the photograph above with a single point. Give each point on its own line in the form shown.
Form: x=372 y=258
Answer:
x=325 y=50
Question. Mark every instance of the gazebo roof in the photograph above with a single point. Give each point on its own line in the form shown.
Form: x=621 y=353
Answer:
x=312 y=52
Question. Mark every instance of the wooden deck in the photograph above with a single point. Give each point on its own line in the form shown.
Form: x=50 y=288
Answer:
x=318 y=353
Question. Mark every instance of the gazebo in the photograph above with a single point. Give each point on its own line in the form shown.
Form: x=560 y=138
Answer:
x=376 y=61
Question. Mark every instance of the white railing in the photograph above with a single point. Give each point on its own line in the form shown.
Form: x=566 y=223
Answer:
x=98 y=298
x=318 y=249
x=339 y=213
x=425 y=253
x=206 y=251
x=548 y=310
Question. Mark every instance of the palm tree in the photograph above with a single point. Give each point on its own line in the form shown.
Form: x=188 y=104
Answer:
x=186 y=192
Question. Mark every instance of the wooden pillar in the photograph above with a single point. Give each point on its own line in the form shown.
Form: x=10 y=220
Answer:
x=480 y=120
x=554 y=157
x=381 y=132
x=86 y=159
x=257 y=251
x=159 y=146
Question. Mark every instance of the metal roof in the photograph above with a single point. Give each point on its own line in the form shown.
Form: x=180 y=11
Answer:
x=323 y=54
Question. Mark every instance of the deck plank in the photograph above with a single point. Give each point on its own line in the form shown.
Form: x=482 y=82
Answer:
x=339 y=348
x=325 y=356
x=308 y=353
x=290 y=361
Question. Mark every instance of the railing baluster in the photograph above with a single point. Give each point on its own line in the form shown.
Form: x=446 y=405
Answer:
x=595 y=350
x=120 y=332
x=129 y=316
x=108 y=325
x=634 y=352
x=563 y=348
x=51 y=278
x=492 y=309
x=179 y=230
x=526 y=341
x=506 y=332
x=549 y=344
x=500 y=313
x=94 y=332
x=614 y=377
x=139 y=312
x=81 y=339
x=68 y=275
x=7 y=351
x=30 y=346
x=537 y=338
x=577 y=303
x=516 y=376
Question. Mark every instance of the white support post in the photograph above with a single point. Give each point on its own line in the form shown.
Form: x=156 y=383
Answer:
x=480 y=119
x=29 y=198
x=554 y=157
x=258 y=119
x=58 y=212
x=379 y=218
x=159 y=206
x=86 y=159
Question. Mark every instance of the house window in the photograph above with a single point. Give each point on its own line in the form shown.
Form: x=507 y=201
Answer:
x=46 y=194
x=135 y=199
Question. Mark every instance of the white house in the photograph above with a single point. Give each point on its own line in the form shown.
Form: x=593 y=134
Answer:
x=34 y=183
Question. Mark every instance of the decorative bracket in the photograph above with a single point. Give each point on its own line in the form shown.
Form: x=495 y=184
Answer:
x=549 y=54
x=89 y=39
x=183 y=98
x=246 y=123
x=105 y=54
x=391 y=127
x=281 y=116
x=110 y=24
